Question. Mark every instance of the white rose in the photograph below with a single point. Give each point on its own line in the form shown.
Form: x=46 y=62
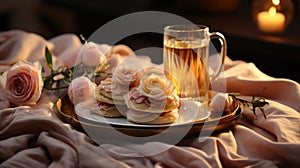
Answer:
x=156 y=87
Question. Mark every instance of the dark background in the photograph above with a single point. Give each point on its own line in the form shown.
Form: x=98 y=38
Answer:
x=277 y=55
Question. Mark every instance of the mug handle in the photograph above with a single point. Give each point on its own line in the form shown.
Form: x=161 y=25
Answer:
x=223 y=52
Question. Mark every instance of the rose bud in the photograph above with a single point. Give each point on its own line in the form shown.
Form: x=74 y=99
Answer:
x=22 y=83
x=81 y=89
x=90 y=54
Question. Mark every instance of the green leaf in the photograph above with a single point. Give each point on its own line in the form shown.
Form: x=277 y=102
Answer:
x=48 y=57
x=234 y=94
x=253 y=104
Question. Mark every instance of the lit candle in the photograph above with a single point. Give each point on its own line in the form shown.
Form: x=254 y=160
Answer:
x=271 y=21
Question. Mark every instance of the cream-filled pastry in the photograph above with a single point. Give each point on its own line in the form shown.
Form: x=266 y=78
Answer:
x=104 y=92
x=100 y=108
x=141 y=117
x=127 y=77
x=109 y=105
x=110 y=92
x=153 y=101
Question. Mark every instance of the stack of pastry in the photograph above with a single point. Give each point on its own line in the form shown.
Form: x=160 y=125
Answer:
x=106 y=103
x=110 y=92
x=143 y=97
x=153 y=101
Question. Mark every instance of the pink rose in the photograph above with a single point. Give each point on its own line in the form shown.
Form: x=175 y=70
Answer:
x=127 y=77
x=22 y=83
x=81 y=89
x=90 y=55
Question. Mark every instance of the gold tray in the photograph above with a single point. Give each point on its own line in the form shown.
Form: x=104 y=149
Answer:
x=214 y=123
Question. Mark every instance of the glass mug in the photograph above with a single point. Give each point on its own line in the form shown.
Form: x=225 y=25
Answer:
x=186 y=52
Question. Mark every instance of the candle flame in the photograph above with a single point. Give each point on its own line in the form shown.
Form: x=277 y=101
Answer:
x=272 y=11
x=276 y=2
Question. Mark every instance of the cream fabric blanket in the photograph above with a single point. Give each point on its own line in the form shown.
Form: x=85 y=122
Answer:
x=36 y=137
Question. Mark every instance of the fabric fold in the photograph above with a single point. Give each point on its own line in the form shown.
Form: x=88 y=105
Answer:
x=34 y=136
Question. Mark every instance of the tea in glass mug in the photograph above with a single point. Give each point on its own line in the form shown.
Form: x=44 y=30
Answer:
x=186 y=52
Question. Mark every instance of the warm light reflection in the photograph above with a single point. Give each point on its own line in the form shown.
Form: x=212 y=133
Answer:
x=276 y=2
x=272 y=11
x=271 y=21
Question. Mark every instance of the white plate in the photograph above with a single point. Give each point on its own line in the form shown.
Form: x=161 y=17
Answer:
x=190 y=112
